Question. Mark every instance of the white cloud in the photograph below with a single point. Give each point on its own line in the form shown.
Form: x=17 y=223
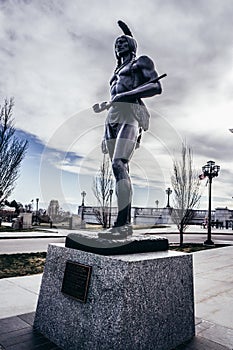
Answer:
x=56 y=59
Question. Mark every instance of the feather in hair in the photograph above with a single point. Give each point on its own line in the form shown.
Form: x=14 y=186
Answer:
x=125 y=28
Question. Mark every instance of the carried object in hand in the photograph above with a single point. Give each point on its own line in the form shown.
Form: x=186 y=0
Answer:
x=100 y=107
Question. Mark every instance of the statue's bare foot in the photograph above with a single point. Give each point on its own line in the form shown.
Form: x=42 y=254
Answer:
x=115 y=232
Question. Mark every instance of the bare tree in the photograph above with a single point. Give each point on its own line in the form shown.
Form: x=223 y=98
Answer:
x=12 y=151
x=102 y=185
x=186 y=187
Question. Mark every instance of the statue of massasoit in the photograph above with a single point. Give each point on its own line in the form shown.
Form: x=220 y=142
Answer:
x=134 y=78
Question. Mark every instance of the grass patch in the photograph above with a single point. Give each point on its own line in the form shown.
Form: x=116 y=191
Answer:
x=12 y=265
x=11 y=229
x=194 y=247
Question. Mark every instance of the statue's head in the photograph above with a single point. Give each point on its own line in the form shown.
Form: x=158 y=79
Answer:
x=123 y=39
x=132 y=44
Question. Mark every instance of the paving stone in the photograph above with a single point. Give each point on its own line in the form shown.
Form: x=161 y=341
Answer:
x=217 y=333
x=199 y=343
x=17 y=333
x=4 y=337
x=12 y=323
x=28 y=318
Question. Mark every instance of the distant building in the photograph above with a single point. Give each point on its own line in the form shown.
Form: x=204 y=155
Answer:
x=224 y=216
x=53 y=209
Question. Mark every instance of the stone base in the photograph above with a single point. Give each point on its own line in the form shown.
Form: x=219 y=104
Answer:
x=136 y=301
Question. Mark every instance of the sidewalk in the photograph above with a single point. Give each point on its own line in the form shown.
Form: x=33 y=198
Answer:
x=48 y=233
x=213 y=286
x=213 y=290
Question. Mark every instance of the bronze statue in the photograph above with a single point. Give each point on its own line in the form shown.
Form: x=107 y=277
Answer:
x=133 y=79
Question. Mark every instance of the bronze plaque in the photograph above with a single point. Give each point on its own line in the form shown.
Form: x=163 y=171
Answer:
x=76 y=280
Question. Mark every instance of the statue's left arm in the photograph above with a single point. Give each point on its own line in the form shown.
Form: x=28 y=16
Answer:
x=146 y=88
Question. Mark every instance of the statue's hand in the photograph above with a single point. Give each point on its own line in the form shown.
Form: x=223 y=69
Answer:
x=100 y=107
x=96 y=108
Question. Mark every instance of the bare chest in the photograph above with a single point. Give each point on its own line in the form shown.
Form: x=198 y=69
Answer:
x=125 y=79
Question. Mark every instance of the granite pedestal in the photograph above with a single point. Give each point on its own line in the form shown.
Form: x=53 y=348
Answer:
x=140 y=301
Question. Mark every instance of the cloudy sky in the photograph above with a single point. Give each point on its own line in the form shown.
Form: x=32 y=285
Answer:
x=56 y=59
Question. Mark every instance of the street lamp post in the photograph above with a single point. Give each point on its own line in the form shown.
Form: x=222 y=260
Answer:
x=83 y=194
x=37 y=206
x=37 y=210
x=168 y=192
x=157 y=203
x=110 y=208
x=210 y=170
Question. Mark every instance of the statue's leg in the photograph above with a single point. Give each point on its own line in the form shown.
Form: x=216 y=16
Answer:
x=123 y=191
x=123 y=151
x=121 y=140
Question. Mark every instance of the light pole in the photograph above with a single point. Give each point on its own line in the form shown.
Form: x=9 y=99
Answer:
x=37 y=209
x=210 y=170
x=110 y=208
x=37 y=201
x=157 y=203
x=83 y=194
x=168 y=192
